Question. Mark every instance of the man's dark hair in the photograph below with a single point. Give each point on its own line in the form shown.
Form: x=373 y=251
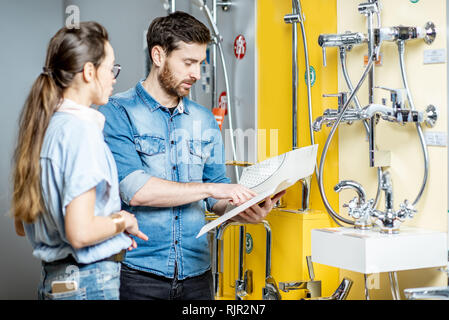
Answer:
x=178 y=26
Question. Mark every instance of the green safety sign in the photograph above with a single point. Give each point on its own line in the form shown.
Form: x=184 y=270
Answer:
x=414 y=1
x=249 y=243
x=312 y=76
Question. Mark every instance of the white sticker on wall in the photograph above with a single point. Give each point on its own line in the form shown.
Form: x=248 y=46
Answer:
x=435 y=56
x=435 y=138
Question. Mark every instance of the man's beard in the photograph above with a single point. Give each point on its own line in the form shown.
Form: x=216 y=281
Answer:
x=168 y=82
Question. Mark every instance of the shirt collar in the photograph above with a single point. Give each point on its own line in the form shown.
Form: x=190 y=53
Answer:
x=82 y=112
x=154 y=105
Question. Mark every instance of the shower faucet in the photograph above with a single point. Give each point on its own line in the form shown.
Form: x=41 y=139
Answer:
x=402 y=33
x=347 y=40
x=330 y=115
x=396 y=113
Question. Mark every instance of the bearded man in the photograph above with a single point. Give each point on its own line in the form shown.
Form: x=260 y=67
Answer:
x=170 y=159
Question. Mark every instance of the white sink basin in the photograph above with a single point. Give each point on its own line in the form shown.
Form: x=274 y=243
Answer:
x=369 y=251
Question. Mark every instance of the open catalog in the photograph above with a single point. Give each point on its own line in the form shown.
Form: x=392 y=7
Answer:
x=270 y=177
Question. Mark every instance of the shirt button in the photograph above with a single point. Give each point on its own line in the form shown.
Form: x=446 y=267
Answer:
x=176 y=242
x=172 y=142
x=174 y=167
x=176 y=218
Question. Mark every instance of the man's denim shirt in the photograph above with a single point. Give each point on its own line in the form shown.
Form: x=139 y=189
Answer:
x=147 y=141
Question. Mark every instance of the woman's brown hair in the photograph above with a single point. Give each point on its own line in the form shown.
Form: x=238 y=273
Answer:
x=68 y=51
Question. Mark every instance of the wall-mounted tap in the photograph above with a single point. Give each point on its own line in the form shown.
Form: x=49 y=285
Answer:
x=347 y=40
x=401 y=33
x=331 y=115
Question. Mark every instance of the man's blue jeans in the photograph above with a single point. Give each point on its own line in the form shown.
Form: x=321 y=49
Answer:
x=140 y=285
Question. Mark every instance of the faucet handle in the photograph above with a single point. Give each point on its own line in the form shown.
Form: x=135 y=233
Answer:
x=342 y=98
x=397 y=95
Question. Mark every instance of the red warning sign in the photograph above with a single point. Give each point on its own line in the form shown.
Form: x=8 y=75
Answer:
x=240 y=46
x=223 y=101
x=222 y=109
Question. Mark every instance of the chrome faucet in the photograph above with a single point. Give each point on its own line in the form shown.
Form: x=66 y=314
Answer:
x=358 y=208
x=331 y=115
x=389 y=221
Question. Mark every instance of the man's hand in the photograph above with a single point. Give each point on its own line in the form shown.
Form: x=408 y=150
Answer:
x=258 y=212
x=235 y=193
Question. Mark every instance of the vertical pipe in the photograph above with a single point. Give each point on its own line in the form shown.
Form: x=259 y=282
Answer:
x=172 y=6
x=214 y=60
x=294 y=80
x=241 y=260
x=372 y=122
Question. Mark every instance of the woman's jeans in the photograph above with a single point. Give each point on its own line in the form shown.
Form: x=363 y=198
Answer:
x=96 y=281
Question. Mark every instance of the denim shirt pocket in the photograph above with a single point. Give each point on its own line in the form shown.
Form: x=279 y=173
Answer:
x=152 y=152
x=199 y=153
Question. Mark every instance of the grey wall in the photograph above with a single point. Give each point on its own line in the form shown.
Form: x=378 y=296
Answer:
x=25 y=29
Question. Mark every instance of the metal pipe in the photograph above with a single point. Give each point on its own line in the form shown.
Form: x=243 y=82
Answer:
x=334 y=215
x=367 y=297
x=401 y=49
x=216 y=32
x=214 y=60
x=309 y=86
x=372 y=121
x=358 y=105
x=240 y=278
x=295 y=79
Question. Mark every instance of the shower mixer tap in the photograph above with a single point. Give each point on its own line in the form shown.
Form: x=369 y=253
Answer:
x=331 y=115
x=403 y=33
x=347 y=40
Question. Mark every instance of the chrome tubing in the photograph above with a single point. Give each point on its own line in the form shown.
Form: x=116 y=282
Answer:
x=401 y=49
x=358 y=105
x=210 y=18
x=334 y=215
x=394 y=286
x=309 y=80
x=230 y=110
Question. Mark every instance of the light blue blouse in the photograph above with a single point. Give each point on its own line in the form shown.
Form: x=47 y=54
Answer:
x=74 y=159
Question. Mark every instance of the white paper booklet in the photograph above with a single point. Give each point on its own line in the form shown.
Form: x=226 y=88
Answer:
x=270 y=177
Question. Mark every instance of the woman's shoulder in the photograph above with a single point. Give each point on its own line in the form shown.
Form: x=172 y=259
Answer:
x=66 y=132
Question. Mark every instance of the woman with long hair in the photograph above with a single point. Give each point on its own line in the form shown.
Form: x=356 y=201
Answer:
x=66 y=196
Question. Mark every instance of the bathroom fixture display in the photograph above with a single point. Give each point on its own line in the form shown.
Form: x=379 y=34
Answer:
x=371 y=252
x=350 y=110
x=269 y=177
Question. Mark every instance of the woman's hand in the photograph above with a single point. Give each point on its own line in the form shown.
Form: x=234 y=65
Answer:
x=132 y=228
